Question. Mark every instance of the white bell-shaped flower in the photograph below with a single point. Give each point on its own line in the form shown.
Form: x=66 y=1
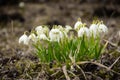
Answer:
x=103 y=28
x=61 y=31
x=77 y=25
x=24 y=39
x=39 y=30
x=68 y=28
x=63 y=34
x=32 y=37
x=42 y=37
x=60 y=27
x=94 y=30
x=45 y=30
x=55 y=35
x=83 y=31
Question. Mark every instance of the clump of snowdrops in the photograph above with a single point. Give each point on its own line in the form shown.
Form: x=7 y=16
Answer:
x=66 y=44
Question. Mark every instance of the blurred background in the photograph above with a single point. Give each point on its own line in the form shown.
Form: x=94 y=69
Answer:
x=17 y=16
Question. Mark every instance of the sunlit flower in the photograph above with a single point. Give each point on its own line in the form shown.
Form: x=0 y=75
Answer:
x=55 y=35
x=39 y=30
x=83 y=31
x=94 y=30
x=63 y=32
x=103 y=28
x=24 y=39
x=32 y=37
x=45 y=30
x=60 y=27
x=42 y=37
x=77 y=25
x=68 y=28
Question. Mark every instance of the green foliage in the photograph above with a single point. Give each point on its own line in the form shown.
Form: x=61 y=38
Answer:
x=69 y=50
x=67 y=44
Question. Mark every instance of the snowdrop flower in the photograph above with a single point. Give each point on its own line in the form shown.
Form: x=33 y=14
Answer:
x=63 y=32
x=32 y=37
x=83 y=31
x=42 y=37
x=39 y=30
x=94 y=30
x=55 y=35
x=24 y=39
x=77 y=25
x=103 y=28
x=68 y=28
x=45 y=30
x=60 y=27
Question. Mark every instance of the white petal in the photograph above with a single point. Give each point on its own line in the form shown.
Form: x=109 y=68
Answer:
x=32 y=37
x=83 y=31
x=55 y=35
x=94 y=30
x=67 y=28
x=38 y=28
x=103 y=28
x=43 y=37
x=24 y=39
x=77 y=24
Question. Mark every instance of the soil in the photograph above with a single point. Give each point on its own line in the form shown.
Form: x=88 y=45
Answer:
x=19 y=62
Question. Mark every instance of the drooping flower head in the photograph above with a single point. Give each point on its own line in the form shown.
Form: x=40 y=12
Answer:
x=78 y=24
x=83 y=31
x=24 y=39
x=42 y=37
x=42 y=30
x=33 y=37
x=94 y=29
x=68 y=28
x=63 y=32
x=103 y=28
x=39 y=30
x=55 y=35
x=45 y=30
